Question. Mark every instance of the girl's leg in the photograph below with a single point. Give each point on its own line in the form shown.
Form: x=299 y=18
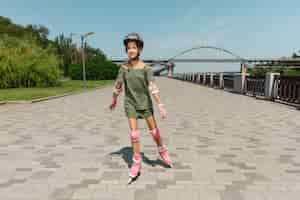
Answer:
x=152 y=127
x=136 y=158
x=134 y=128
x=163 y=152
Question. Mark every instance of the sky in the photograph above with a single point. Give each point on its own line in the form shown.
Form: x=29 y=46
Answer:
x=250 y=29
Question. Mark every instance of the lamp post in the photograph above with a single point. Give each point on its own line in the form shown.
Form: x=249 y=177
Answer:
x=83 y=44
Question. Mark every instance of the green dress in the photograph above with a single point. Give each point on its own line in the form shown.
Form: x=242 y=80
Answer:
x=137 y=99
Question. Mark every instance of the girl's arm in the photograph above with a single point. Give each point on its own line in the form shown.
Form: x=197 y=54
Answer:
x=117 y=89
x=154 y=90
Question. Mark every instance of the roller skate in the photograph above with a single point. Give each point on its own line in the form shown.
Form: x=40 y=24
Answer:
x=134 y=171
x=163 y=152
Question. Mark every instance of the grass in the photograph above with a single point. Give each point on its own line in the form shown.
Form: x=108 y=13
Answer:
x=35 y=93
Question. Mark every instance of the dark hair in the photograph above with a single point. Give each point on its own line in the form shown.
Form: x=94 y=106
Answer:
x=137 y=43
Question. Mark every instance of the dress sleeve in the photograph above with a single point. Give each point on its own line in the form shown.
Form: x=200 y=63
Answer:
x=153 y=89
x=119 y=81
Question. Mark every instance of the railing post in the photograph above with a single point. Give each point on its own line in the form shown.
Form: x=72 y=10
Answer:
x=275 y=86
x=239 y=81
x=269 y=85
x=244 y=82
x=200 y=74
x=201 y=78
x=221 y=81
x=211 y=79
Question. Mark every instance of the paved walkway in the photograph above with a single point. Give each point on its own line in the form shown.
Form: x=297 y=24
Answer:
x=224 y=146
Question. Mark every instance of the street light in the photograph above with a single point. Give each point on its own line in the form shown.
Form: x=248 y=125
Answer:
x=89 y=33
x=83 y=44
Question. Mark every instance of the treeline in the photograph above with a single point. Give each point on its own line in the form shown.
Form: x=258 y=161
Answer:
x=262 y=70
x=29 y=59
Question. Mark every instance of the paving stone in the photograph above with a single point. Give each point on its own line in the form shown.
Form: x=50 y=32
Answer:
x=223 y=146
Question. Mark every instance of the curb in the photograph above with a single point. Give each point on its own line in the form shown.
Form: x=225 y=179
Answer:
x=296 y=106
x=262 y=98
x=16 y=102
x=49 y=97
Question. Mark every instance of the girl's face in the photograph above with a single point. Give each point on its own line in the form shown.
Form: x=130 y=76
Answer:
x=132 y=50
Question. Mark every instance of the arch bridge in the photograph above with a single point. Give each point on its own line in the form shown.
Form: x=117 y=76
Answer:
x=169 y=64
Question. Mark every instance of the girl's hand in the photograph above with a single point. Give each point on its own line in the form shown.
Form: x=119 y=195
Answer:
x=162 y=110
x=113 y=103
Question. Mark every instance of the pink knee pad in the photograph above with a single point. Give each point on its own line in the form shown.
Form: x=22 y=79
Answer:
x=134 y=136
x=155 y=133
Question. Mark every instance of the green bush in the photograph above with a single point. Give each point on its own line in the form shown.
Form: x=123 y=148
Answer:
x=75 y=71
x=103 y=70
x=25 y=64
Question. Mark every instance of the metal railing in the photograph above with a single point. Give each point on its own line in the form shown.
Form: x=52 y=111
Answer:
x=288 y=88
x=228 y=81
x=207 y=79
x=283 y=88
x=255 y=85
x=216 y=81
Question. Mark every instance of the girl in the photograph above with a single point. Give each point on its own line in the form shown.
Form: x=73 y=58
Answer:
x=139 y=85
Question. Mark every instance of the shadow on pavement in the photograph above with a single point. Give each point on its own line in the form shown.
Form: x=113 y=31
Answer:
x=126 y=154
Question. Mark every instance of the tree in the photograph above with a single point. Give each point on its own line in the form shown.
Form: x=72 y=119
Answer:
x=62 y=47
x=40 y=32
x=23 y=63
x=295 y=55
x=65 y=49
